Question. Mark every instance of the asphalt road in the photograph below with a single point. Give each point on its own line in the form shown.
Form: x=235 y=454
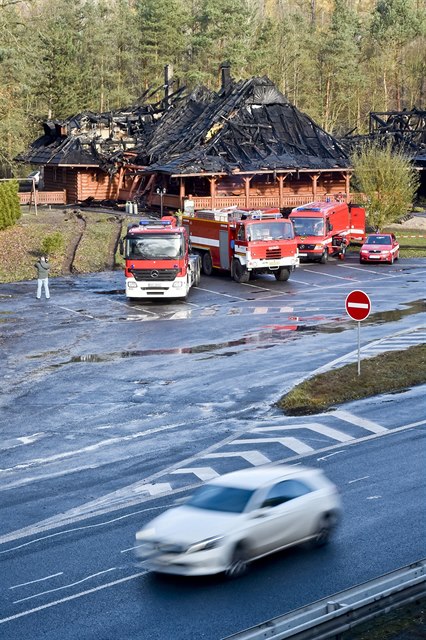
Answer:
x=111 y=410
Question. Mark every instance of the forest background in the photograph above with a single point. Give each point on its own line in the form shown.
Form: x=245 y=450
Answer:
x=335 y=60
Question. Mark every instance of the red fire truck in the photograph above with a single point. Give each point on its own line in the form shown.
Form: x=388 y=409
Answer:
x=243 y=242
x=158 y=260
x=325 y=229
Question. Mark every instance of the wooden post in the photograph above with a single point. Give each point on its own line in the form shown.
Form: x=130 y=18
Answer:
x=213 y=182
x=247 y=191
x=314 y=179
x=181 y=192
x=348 y=176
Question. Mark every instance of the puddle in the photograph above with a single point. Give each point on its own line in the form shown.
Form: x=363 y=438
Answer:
x=411 y=308
x=113 y=292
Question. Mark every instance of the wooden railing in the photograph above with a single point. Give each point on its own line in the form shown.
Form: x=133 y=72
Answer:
x=43 y=197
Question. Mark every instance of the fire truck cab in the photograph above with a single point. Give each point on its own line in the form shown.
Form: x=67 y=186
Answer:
x=158 y=261
x=325 y=229
x=243 y=242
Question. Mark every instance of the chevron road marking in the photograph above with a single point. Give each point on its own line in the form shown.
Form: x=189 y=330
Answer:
x=254 y=457
x=291 y=443
x=369 y=425
x=335 y=434
x=204 y=473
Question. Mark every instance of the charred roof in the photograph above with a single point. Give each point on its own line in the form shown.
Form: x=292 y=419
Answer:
x=248 y=126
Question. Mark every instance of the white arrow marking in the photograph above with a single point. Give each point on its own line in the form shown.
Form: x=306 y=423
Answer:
x=335 y=434
x=291 y=443
x=204 y=473
x=254 y=457
x=369 y=425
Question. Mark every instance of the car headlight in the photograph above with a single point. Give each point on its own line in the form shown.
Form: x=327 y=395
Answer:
x=204 y=545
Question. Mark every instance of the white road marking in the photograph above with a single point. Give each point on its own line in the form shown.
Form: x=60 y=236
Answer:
x=260 y=310
x=254 y=457
x=364 y=423
x=330 y=455
x=308 y=284
x=82 y=528
x=204 y=473
x=219 y=293
x=291 y=443
x=79 y=313
x=72 y=597
x=335 y=434
x=328 y=275
x=358 y=479
x=374 y=497
x=65 y=586
x=24 y=584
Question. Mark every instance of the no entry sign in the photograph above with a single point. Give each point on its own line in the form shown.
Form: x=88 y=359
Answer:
x=358 y=305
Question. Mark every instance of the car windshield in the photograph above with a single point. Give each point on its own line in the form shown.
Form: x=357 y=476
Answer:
x=218 y=498
x=378 y=240
x=270 y=231
x=308 y=226
x=150 y=247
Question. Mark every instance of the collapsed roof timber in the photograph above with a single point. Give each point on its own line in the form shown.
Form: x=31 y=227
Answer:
x=405 y=130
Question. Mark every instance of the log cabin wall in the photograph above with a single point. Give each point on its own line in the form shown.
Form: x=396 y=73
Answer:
x=96 y=184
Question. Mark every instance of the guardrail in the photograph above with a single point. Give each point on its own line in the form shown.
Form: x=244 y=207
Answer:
x=343 y=611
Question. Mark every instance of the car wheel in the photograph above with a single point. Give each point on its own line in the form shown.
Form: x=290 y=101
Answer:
x=361 y=261
x=207 y=264
x=324 y=531
x=282 y=275
x=391 y=260
x=324 y=257
x=240 y=273
x=238 y=564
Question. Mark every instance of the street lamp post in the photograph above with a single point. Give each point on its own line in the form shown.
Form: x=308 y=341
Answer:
x=161 y=192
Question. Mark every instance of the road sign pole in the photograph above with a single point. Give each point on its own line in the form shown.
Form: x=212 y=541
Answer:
x=359 y=348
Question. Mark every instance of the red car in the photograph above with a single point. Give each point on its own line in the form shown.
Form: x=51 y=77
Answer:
x=379 y=247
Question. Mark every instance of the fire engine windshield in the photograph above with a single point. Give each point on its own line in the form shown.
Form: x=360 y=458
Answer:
x=271 y=230
x=308 y=226
x=155 y=247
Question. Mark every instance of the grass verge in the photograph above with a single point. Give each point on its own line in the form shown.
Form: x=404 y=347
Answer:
x=386 y=373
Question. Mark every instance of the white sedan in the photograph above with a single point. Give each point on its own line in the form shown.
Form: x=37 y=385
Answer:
x=240 y=517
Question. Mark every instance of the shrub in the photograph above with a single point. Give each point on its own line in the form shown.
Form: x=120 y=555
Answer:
x=10 y=210
x=53 y=244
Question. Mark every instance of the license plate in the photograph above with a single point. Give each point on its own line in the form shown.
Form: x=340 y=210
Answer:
x=274 y=263
x=303 y=254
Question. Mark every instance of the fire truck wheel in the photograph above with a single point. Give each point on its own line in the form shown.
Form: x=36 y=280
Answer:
x=207 y=263
x=282 y=274
x=324 y=257
x=240 y=273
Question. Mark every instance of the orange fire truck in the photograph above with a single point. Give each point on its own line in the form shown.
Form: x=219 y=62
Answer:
x=325 y=229
x=158 y=260
x=243 y=242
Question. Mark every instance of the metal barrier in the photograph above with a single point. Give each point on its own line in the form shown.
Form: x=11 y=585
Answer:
x=343 y=611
